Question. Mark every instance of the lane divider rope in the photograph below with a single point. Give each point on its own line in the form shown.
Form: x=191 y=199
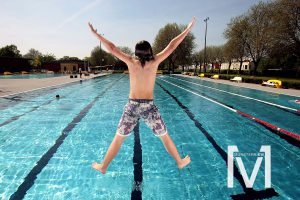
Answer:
x=264 y=123
x=243 y=96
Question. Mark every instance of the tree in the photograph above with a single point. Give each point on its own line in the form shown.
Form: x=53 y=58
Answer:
x=210 y=56
x=119 y=64
x=182 y=55
x=126 y=50
x=35 y=57
x=32 y=53
x=87 y=59
x=259 y=40
x=285 y=17
x=47 y=58
x=98 y=57
x=269 y=34
x=69 y=58
x=220 y=56
x=214 y=56
x=162 y=39
x=229 y=53
x=237 y=34
x=10 y=51
x=198 y=59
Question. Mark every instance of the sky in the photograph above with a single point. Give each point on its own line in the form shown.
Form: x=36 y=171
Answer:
x=60 y=27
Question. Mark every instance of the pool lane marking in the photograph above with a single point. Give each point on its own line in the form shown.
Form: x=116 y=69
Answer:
x=137 y=160
x=250 y=193
x=32 y=175
x=188 y=167
x=264 y=123
x=246 y=97
x=16 y=117
x=47 y=87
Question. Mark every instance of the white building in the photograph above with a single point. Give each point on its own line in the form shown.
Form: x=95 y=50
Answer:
x=236 y=65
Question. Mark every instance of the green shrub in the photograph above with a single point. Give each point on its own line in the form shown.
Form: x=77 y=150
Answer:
x=291 y=84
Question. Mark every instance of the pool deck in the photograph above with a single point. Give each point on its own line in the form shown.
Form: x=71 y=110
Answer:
x=291 y=92
x=10 y=87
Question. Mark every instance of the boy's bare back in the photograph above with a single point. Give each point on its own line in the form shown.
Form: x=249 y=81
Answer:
x=142 y=79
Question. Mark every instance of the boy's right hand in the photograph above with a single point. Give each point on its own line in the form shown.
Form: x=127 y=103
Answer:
x=191 y=24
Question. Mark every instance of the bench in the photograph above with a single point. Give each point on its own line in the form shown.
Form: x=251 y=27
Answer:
x=238 y=79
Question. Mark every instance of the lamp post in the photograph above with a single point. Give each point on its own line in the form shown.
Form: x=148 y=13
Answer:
x=205 y=20
x=100 y=52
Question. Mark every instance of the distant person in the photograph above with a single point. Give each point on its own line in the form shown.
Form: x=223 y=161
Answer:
x=57 y=96
x=80 y=72
x=142 y=74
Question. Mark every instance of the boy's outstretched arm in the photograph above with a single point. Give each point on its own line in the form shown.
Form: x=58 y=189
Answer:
x=174 y=43
x=111 y=47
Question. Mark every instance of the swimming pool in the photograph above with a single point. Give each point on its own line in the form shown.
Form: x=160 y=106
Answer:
x=30 y=76
x=47 y=145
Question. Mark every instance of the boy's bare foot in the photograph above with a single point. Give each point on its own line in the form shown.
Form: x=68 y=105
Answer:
x=99 y=167
x=184 y=162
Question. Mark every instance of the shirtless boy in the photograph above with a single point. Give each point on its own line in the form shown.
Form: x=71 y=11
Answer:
x=142 y=74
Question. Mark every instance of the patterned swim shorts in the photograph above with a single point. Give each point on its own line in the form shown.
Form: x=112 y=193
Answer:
x=141 y=108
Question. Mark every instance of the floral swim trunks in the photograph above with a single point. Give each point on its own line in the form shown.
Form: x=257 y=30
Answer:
x=141 y=108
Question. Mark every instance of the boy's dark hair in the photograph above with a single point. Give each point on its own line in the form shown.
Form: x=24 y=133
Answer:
x=143 y=51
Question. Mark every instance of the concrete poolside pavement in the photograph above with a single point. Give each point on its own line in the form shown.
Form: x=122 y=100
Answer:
x=10 y=87
x=291 y=92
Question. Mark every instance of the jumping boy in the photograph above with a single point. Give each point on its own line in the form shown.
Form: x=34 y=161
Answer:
x=142 y=74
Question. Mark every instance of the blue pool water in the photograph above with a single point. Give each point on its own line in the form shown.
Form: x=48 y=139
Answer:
x=47 y=145
x=29 y=76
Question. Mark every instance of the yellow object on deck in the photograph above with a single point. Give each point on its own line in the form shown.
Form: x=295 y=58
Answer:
x=215 y=76
x=201 y=75
x=272 y=83
x=8 y=73
x=24 y=72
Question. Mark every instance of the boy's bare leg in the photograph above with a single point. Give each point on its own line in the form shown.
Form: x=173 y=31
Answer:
x=110 y=154
x=172 y=150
